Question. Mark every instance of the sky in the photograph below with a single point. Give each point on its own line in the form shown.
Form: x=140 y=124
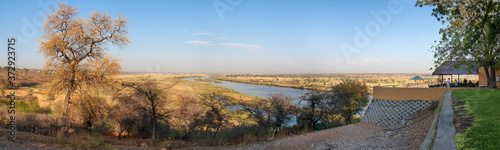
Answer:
x=247 y=36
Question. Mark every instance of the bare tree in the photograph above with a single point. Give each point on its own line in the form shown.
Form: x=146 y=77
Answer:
x=188 y=114
x=151 y=99
x=123 y=113
x=280 y=109
x=76 y=49
x=217 y=114
x=92 y=109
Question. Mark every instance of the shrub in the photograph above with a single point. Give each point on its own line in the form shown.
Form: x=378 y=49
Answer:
x=217 y=114
x=43 y=124
x=79 y=140
x=92 y=111
x=280 y=109
x=316 y=108
x=124 y=117
x=2 y=90
x=3 y=118
x=350 y=96
x=4 y=102
x=31 y=106
x=149 y=98
x=30 y=122
x=325 y=125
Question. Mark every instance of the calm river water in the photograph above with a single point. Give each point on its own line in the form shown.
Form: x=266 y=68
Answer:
x=259 y=90
x=263 y=91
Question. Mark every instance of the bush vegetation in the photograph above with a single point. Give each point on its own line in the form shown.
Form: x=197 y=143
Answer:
x=211 y=116
x=27 y=105
x=323 y=82
x=207 y=80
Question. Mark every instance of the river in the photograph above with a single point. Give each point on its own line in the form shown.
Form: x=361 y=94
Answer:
x=263 y=91
x=266 y=91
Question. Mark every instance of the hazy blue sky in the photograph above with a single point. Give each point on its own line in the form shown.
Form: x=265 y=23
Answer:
x=249 y=36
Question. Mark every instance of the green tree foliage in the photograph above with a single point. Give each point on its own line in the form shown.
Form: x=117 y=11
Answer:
x=316 y=108
x=217 y=116
x=256 y=110
x=271 y=113
x=349 y=97
x=472 y=33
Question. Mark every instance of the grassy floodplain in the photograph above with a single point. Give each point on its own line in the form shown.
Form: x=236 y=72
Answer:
x=324 y=82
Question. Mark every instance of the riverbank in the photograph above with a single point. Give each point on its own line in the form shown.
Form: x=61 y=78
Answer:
x=324 y=82
x=207 y=80
x=263 y=91
x=267 y=83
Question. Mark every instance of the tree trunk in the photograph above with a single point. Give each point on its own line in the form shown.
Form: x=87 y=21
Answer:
x=120 y=134
x=67 y=98
x=66 y=106
x=153 y=135
x=218 y=127
x=348 y=118
x=327 y=122
x=153 y=114
x=492 y=81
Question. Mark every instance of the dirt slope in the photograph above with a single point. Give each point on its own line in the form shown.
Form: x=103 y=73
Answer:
x=358 y=136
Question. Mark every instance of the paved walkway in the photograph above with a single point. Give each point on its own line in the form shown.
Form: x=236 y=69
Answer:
x=445 y=138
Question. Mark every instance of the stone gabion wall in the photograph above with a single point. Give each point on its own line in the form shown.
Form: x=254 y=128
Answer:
x=389 y=113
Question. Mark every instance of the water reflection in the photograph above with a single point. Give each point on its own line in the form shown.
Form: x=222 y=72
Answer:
x=265 y=91
x=259 y=90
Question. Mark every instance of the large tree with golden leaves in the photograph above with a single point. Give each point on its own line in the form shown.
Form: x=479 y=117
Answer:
x=76 y=49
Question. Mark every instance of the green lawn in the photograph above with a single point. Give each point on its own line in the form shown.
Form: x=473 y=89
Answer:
x=484 y=104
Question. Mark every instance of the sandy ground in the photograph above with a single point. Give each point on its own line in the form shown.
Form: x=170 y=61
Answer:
x=341 y=137
x=25 y=141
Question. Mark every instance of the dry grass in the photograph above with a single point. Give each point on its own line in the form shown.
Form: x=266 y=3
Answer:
x=41 y=126
x=326 y=81
x=184 y=93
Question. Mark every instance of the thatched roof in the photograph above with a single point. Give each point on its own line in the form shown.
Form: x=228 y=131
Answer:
x=448 y=68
